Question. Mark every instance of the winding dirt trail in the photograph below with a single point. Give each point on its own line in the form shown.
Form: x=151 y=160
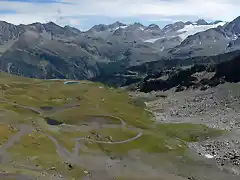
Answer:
x=15 y=176
x=71 y=157
x=78 y=145
x=41 y=111
x=35 y=110
x=24 y=129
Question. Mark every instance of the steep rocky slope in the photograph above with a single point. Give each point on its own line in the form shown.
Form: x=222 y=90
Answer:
x=152 y=74
x=197 y=76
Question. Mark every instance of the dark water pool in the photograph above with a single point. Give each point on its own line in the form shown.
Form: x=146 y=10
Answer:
x=53 y=122
x=46 y=108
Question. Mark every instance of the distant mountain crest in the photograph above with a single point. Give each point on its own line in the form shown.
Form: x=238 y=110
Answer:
x=136 y=26
x=201 y=22
x=153 y=27
x=217 y=22
x=116 y=25
x=233 y=28
x=174 y=27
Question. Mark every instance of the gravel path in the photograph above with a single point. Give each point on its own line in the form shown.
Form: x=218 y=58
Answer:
x=24 y=129
x=35 y=110
x=4 y=156
x=70 y=157
x=15 y=176
x=43 y=110
x=78 y=145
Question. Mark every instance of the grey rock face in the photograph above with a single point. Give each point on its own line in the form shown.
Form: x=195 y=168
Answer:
x=116 y=25
x=201 y=22
x=174 y=27
x=8 y=32
x=233 y=28
x=152 y=27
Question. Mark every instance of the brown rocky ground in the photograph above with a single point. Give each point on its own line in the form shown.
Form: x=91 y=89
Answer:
x=216 y=107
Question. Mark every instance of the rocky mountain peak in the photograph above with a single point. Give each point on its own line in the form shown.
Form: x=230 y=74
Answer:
x=4 y=23
x=136 y=26
x=118 y=32
x=216 y=22
x=103 y=27
x=8 y=31
x=233 y=28
x=174 y=27
x=188 y=23
x=201 y=22
x=35 y=27
x=153 y=27
x=71 y=31
x=99 y=28
x=53 y=28
x=117 y=24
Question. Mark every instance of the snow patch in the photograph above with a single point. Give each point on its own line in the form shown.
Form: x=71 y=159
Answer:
x=153 y=40
x=209 y=156
x=122 y=27
x=234 y=37
x=193 y=29
x=148 y=30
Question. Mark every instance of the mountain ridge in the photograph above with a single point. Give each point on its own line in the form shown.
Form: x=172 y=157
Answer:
x=52 y=51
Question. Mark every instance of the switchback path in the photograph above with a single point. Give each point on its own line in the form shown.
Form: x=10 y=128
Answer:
x=71 y=157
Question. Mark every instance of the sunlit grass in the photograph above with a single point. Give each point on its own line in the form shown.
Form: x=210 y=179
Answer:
x=96 y=102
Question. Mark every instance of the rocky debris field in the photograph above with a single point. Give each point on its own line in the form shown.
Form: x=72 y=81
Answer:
x=225 y=150
x=216 y=107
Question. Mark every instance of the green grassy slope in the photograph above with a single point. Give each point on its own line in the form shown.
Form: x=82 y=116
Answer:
x=96 y=102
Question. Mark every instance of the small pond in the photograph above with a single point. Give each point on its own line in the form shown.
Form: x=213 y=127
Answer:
x=53 y=122
x=46 y=108
x=71 y=82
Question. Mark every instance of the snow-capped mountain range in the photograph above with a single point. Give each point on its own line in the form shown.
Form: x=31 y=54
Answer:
x=192 y=29
x=50 y=51
x=152 y=33
x=180 y=38
x=187 y=30
x=167 y=40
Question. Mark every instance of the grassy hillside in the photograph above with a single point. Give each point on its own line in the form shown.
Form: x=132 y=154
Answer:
x=85 y=110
